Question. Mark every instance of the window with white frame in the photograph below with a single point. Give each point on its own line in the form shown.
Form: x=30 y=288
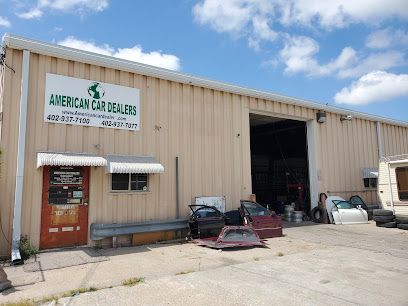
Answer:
x=131 y=182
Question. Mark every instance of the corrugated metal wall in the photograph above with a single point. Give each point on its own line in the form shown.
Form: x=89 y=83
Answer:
x=207 y=129
x=345 y=148
x=395 y=139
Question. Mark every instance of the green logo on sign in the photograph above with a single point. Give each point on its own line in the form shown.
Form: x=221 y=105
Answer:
x=96 y=91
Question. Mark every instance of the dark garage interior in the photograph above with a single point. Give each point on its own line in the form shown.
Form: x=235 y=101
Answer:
x=279 y=163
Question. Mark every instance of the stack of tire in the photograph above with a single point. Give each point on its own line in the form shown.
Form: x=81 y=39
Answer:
x=402 y=222
x=384 y=218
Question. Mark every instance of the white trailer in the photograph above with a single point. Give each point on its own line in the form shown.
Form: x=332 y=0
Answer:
x=393 y=183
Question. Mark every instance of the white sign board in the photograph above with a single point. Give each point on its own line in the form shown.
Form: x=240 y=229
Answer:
x=90 y=103
x=217 y=202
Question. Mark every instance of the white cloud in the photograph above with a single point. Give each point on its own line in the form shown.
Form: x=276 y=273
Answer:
x=81 y=7
x=299 y=56
x=223 y=16
x=385 y=38
x=154 y=58
x=377 y=86
x=340 y=13
x=136 y=54
x=299 y=52
x=375 y=61
x=73 y=42
x=261 y=32
x=31 y=14
x=4 y=22
x=256 y=18
x=69 y=5
x=250 y=18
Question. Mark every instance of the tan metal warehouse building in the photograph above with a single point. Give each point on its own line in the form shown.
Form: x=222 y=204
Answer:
x=51 y=98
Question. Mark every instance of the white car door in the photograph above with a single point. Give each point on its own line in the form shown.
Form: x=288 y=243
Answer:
x=347 y=213
x=330 y=205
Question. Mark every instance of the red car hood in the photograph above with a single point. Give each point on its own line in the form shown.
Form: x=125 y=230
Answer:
x=232 y=236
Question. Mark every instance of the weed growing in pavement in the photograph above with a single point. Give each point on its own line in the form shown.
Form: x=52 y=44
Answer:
x=78 y=291
x=280 y=254
x=26 y=249
x=132 y=281
x=256 y=258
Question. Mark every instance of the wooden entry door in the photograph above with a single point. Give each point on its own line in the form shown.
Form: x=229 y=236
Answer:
x=64 y=213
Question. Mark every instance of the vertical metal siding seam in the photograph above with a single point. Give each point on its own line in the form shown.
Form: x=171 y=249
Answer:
x=379 y=140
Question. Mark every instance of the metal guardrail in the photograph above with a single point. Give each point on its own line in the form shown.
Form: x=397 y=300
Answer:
x=102 y=230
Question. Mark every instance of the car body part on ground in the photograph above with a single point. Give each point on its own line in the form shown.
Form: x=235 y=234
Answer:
x=206 y=221
x=232 y=237
x=341 y=211
x=265 y=222
x=212 y=228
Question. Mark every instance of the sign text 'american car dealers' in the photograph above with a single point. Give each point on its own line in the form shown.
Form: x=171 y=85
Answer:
x=84 y=102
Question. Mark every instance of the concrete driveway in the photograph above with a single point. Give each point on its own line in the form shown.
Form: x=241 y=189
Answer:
x=311 y=265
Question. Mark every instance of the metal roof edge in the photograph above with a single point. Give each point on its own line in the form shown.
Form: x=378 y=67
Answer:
x=21 y=43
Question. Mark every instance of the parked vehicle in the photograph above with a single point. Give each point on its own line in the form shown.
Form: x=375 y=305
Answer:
x=393 y=184
x=341 y=211
x=266 y=223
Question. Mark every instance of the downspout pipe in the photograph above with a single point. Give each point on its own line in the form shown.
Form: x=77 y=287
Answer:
x=22 y=124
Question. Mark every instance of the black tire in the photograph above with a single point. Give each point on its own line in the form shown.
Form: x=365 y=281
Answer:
x=383 y=219
x=382 y=212
x=402 y=226
x=401 y=219
x=392 y=224
x=314 y=212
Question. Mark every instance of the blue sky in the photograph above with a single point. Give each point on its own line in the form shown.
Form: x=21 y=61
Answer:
x=351 y=54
